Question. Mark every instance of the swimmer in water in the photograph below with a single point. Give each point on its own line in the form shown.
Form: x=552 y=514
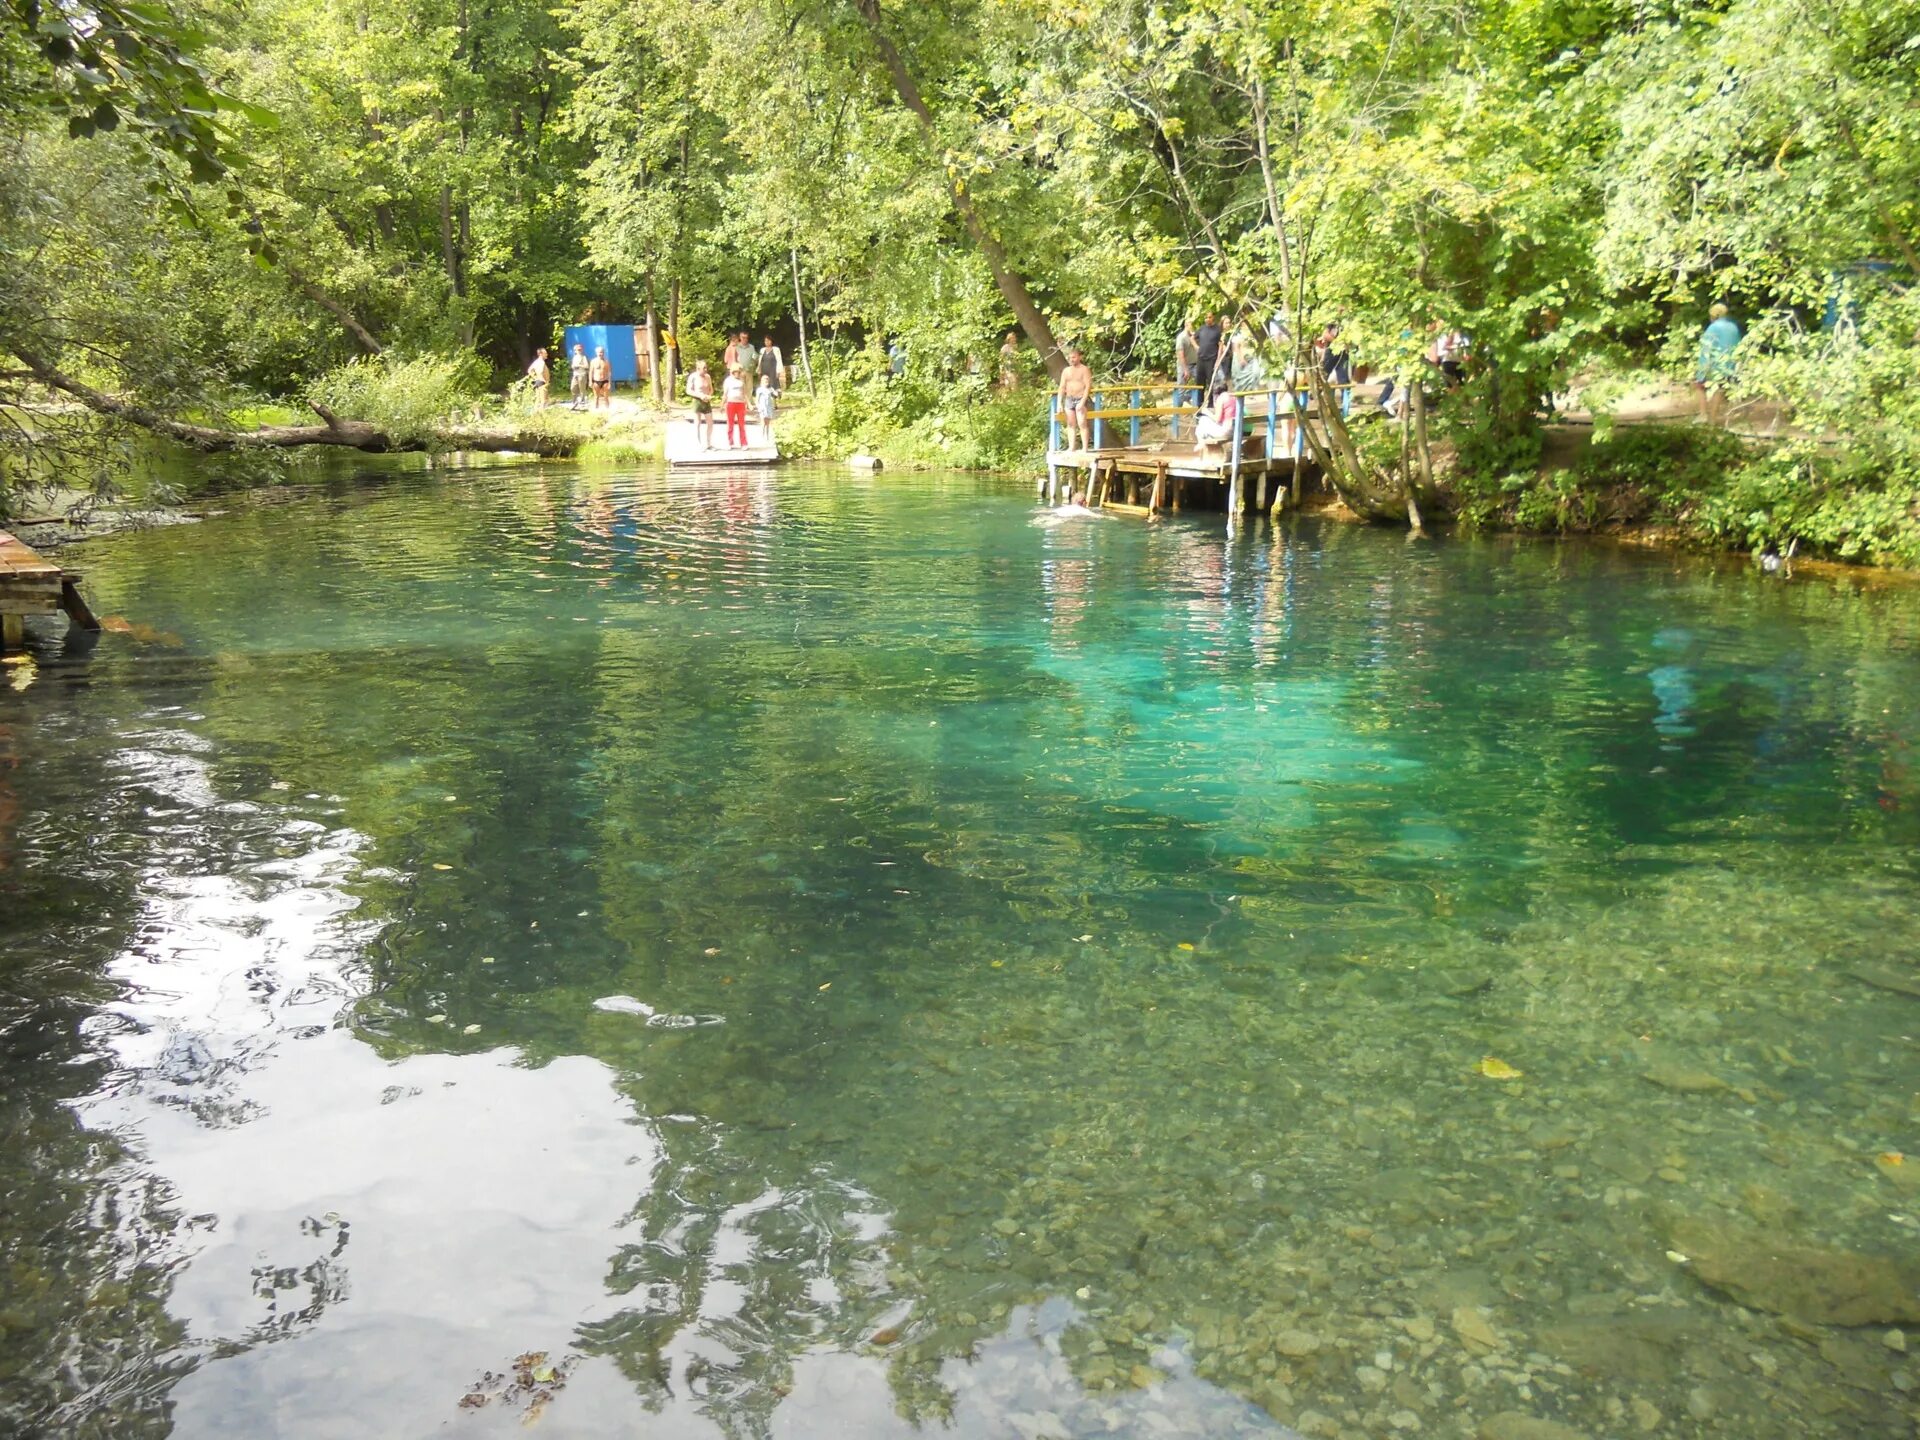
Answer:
x=1074 y=509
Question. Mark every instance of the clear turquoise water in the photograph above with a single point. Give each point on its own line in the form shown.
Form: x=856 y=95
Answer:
x=694 y=928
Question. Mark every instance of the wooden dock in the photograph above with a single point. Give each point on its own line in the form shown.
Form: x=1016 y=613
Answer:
x=684 y=450
x=1159 y=467
x=33 y=585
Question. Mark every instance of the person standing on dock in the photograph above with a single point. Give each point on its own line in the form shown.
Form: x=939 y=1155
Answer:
x=578 y=364
x=700 y=391
x=773 y=365
x=1207 y=341
x=600 y=375
x=1186 y=364
x=734 y=388
x=1076 y=384
x=541 y=376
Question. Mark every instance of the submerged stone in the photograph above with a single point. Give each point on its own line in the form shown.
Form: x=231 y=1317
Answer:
x=1883 y=978
x=1513 y=1425
x=1808 y=1282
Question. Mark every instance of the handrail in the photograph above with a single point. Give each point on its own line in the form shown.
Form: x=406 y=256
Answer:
x=1278 y=385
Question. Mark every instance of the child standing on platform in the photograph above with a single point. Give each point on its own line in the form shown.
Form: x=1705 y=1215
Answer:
x=763 y=403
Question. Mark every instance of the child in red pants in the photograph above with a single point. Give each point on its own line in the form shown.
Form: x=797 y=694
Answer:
x=736 y=397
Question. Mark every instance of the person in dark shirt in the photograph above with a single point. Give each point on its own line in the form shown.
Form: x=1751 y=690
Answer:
x=1208 y=337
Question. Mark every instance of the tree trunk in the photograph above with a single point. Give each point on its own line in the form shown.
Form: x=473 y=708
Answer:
x=673 y=339
x=1368 y=494
x=1013 y=289
x=1422 y=448
x=362 y=336
x=800 y=315
x=653 y=344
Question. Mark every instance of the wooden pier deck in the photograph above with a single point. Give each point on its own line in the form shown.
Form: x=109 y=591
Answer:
x=30 y=584
x=684 y=450
x=1152 y=472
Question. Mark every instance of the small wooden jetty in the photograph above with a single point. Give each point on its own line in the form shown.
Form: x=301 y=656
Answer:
x=33 y=585
x=1142 y=457
x=684 y=450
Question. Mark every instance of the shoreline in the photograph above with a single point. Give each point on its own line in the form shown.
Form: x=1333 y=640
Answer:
x=45 y=529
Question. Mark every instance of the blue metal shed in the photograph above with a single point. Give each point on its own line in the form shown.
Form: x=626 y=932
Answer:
x=619 y=341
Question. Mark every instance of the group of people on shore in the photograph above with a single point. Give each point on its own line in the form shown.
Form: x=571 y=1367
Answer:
x=592 y=379
x=742 y=363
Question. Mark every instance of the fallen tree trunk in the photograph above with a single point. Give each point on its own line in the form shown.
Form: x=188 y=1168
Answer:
x=334 y=431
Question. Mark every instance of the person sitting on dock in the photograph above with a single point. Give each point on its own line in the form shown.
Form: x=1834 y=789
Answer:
x=700 y=391
x=1221 y=419
x=1076 y=384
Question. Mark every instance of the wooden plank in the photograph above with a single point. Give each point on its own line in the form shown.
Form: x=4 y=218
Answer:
x=29 y=594
x=18 y=561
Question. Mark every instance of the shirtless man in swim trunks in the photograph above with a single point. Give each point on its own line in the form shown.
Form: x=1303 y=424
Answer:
x=1076 y=384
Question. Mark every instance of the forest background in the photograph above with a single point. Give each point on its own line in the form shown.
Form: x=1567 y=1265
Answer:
x=219 y=214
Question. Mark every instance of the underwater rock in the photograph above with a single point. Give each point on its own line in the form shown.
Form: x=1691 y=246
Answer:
x=1512 y=1425
x=1297 y=1344
x=1640 y=1348
x=1882 y=978
x=1682 y=1078
x=1474 y=1331
x=1807 y=1282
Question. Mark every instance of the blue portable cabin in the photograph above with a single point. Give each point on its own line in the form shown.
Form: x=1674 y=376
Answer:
x=619 y=341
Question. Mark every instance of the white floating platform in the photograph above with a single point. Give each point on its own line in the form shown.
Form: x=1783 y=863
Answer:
x=684 y=448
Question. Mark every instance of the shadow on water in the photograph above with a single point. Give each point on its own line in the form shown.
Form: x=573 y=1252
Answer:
x=836 y=956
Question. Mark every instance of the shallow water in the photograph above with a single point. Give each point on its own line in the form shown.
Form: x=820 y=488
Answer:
x=832 y=956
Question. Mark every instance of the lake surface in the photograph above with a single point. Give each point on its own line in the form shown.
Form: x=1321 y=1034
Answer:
x=832 y=956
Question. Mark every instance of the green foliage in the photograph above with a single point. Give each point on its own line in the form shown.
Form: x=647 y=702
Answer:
x=962 y=426
x=407 y=398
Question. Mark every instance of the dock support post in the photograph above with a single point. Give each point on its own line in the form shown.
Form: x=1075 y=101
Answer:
x=1239 y=439
x=13 y=632
x=1260 y=495
x=77 y=609
x=1050 y=487
x=1156 y=502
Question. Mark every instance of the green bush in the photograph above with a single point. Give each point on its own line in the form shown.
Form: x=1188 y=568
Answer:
x=410 y=399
